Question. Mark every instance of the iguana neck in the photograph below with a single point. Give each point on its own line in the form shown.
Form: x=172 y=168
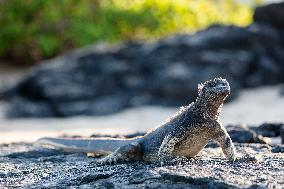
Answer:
x=209 y=108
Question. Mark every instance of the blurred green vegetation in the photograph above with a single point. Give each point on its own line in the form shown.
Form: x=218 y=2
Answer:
x=32 y=30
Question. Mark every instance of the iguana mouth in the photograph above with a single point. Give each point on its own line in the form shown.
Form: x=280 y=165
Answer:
x=222 y=90
x=222 y=87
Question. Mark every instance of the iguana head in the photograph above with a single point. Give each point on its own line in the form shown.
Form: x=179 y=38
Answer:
x=215 y=89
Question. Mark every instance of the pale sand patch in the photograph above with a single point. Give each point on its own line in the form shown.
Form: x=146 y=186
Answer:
x=254 y=106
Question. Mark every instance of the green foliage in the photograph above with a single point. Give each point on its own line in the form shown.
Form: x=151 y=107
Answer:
x=32 y=30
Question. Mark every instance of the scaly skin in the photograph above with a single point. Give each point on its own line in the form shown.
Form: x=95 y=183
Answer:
x=183 y=135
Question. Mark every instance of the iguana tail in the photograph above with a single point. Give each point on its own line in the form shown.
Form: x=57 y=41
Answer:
x=91 y=145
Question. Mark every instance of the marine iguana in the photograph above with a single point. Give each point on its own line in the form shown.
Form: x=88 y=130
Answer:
x=183 y=135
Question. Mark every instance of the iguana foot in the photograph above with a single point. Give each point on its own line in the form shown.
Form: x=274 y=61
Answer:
x=127 y=153
x=108 y=160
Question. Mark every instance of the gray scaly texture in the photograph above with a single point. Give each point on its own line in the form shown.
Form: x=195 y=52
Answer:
x=182 y=136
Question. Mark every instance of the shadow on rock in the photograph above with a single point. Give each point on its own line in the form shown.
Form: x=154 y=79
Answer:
x=37 y=154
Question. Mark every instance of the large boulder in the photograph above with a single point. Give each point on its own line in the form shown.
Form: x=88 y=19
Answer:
x=269 y=129
x=102 y=80
x=272 y=15
x=242 y=134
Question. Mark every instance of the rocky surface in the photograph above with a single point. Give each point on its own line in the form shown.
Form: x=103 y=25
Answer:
x=23 y=165
x=260 y=164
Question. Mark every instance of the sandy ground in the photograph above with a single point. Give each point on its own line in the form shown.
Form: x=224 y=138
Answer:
x=254 y=106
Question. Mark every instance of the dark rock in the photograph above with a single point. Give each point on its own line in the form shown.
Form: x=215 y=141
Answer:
x=112 y=136
x=269 y=129
x=99 y=80
x=220 y=185
x=248 y=158
x=135 y=135
x=72 y=170
x=282 y=134
x=265 y=66
x=281 y=34
x=37 y=154
x=23 y=107
x=278 y=148
x=242 y=134
x=181 y=178
x=86 y=179
x=271 y=14
x=142 y=176
x=100 y=106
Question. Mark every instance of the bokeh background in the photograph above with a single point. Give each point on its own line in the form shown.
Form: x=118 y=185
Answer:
x=35 y=30
x=80 y=67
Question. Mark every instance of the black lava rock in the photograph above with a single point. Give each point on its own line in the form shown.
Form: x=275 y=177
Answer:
x=44 y=169
x=272 y=14
x=242 y=134
x=269 y=129
x=282 y=134
x=99 y=81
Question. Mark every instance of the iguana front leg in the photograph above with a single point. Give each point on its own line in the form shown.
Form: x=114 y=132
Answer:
x=223 y=138
x=166 y=149
x=127 y=153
